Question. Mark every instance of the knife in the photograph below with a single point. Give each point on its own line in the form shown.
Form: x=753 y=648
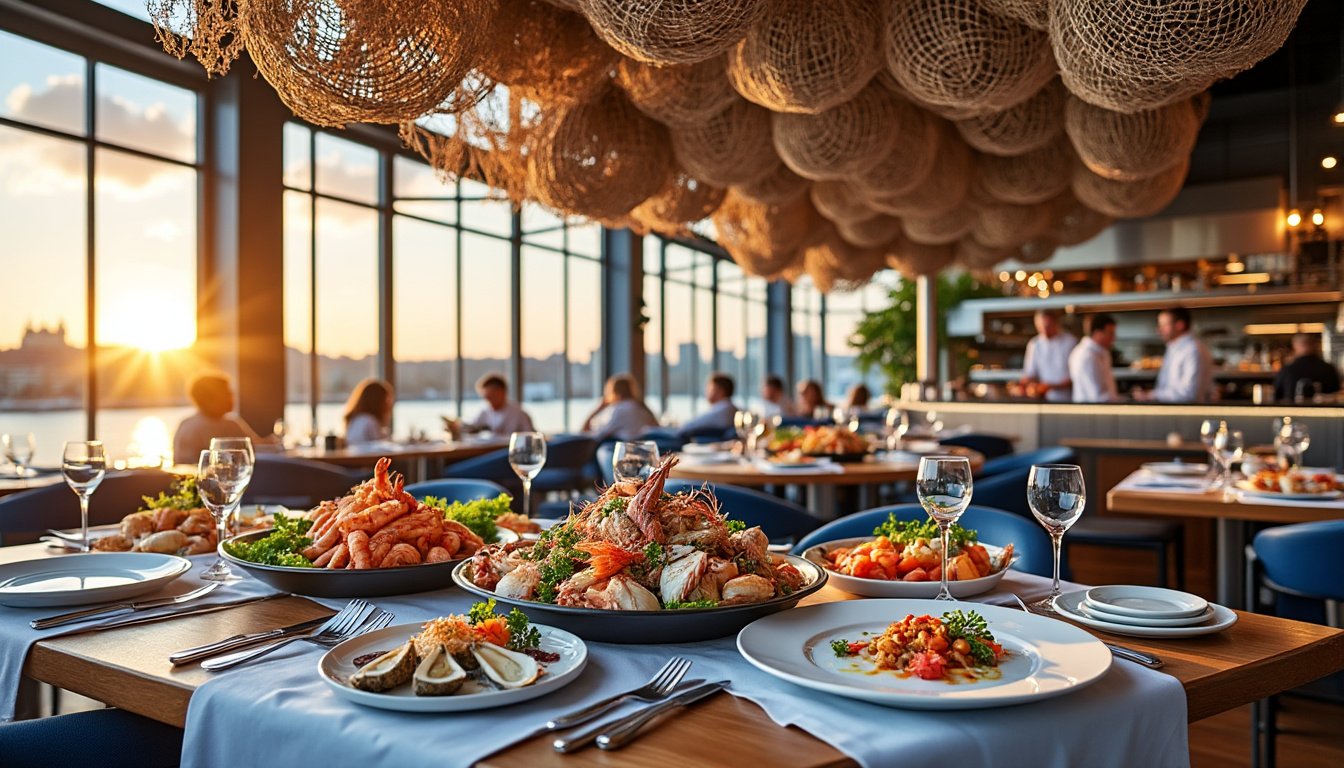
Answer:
x=623 y=731
x=239 y=641
x=580 y=738
x=66 y=618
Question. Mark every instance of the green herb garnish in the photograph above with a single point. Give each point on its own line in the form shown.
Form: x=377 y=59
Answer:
x=906 y=532
x=522 y=635
x=735 y=526
x=841 y=648
x=282 y=546
x=556 y=559
x=682 y=605
x=182 y=495
x=971 y=627
x=614 y=504
x=481 y=611
x=478 y=515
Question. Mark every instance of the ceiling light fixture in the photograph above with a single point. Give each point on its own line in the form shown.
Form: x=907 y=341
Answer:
x=1329 y=161
x=1294 y=219
x=1317 y=217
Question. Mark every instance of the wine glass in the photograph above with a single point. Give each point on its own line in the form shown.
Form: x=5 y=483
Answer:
x=222 y=475
x=19 y=449
x=1291 y=440
x=278 y=429
x=1228 y=443
x=527 y=455
x=84 y=463
x=634 y=461
x=745 y=422
x=943 y=484
x=235 y=444
x=1056 y=495
x=1207 y=430
x=898 y=424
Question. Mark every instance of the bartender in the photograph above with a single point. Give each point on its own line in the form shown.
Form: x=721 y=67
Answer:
x=1187 y=367
x=1090 y=363
x=1047 y=362
x=1307 y=371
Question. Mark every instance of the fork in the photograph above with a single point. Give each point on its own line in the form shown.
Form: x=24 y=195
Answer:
x=1138 y=657
x=657 y=687
x=342 y=626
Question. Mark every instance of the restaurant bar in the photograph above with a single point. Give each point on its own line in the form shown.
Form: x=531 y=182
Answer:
x=671 y=382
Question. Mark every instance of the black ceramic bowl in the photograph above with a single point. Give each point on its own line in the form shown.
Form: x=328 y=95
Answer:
x=375 y=582
x=680 y=626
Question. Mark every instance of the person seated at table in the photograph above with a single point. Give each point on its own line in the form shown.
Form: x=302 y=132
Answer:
x=1046 y=366
x=858 y=397
x=500 y=416
x=1187 y=367
x=719 y=392
x=1090 y=363
x=1307 y=369
x=811 y=399
x=774 y=401
x=622 y=414
x=368 y=412
x=212 y=394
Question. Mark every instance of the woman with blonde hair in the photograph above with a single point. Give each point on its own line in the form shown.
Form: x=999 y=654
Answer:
x=622 y=414
x=368 y=412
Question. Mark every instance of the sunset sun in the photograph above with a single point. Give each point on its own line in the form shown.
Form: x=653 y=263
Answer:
x=150 y=321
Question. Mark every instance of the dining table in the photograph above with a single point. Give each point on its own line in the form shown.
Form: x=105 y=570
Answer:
x=10 y=484
x=128 y=667
x=418 y=455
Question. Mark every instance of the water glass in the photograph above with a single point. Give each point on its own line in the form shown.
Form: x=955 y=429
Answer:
x=634 y=461
x=898 y=424
x=221 y=477
x=235 y=444
x=1228 y=444
x=527 y=455
x=19 y=450
x=1056 y=495
x=84 y=464
x=943 y=484
x=745 y=423
x=1207 y=430
x=1291 y=440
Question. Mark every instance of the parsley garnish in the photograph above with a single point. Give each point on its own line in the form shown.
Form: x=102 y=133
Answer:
x=906 y=532
x=615 y=504
x=973 y=628
x=481 y=611
x=681 y=605
x=556 y=559
x=841 y=648
x=522 y=635
x=735 y=526
x=183 y=496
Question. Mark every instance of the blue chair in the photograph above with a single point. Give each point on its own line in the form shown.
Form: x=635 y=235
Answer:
x=456 y=490
x=571 y=465
x=297 y=483
x=1001 y=464
x=667 y=439
x=804 y=421
x=25 y=515
x=1301 y=567
x=709 y=435
x=781 y=520
x=105 y=737
x=494 y=467
x=994 y=526
x=989 y=446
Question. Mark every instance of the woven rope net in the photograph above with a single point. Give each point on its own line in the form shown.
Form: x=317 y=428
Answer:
x=598 y=160
x=780 y=185
x=870 y=233
x=1005 y=225
x=677 y=95
x=344 y=61
x=913 y=259
x=806 y=56
x=957 y=54
x=552 y=54
x=207 y=29
x=1029 y=125
x=834 y=264
x=732 y=147
x=1075 y=223
x=1135 y=145
x=682 y=201
x=1037 y=249
x=1129 y=199
x=672 y=31
x=1032 y=177
x=840 y=201
x=1141 y=54
x=945 y=187
x=973 y=254
x=939 y=228
x=911 y=157
x=764 y=239
x=840 y=140
x=1033 y=13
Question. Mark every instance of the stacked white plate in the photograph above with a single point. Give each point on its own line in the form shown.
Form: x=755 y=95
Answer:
x=1145 y=611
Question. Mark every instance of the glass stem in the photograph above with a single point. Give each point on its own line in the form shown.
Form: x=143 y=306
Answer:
x=945 y=530
x=84 y=521
x=222 y=530
x=1057 y=542
x=527 y=497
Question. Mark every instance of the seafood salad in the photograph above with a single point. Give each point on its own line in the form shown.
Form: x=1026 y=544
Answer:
x=1293 y=481
x=954 y=647
x=909 y=551
x=636 y=548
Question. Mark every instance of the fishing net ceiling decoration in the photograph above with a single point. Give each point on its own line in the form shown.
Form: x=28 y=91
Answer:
x=827 y=139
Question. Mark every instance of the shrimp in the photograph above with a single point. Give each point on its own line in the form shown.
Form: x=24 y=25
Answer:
x=167 y=519
x=464 y=534
x=340 y=556
x=401 y=554
x=372 y=518
x=607 y=559
x=380 y=544
x=360 y=555
x=643 y=507
x=747 y=589
x=438 y=555
x=199 y=522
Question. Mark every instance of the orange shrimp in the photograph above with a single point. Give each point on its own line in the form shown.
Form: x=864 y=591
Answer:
x=465 y=535
x=401 y=554
x=607 y=559
x=643 y=508
x=360 y=555
x=380 y=544
x=438 y=555
x=372 y=519
x=340 y=557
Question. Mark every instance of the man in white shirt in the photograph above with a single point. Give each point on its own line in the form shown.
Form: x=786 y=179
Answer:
x=719 y=392
x=774 y=397
x=1187 y=368
x=1047 y=362
x=500 y=416
x=622 y=415
x=1090 y=363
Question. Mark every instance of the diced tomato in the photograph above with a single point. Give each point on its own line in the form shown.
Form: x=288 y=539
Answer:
x=857 y=647
x=927 y=665
x=935 y=573
x=919 y=574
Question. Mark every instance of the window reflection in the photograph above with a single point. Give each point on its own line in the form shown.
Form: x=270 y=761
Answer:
x=346 y=169
x=41 y=85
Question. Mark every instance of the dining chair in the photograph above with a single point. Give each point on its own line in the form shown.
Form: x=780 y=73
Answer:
x=296 y=483
x=989 y=446
x=112 y=738
x=26 y=515
x=781 y=520
x=463 y=490
x=995 y=465
x=1030 y=542
x=571 y=465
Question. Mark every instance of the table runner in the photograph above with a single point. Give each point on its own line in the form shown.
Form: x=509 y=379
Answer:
x=279 y=712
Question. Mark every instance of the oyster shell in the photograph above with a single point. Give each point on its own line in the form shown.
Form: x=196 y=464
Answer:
x=505 y=668
x=387 y=671
x=439 y=674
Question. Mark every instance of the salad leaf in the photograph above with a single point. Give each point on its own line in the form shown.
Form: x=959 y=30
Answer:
x=478 y=515
x=182 y=495
x=282 y=546
x=906 y=532
x=481 y=611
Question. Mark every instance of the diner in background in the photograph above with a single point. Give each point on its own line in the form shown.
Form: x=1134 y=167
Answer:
x=622 y=414
x=774 y=399
x=858 y=397
x=212 y=394
x=1187 y=367
x=368 y=412
x=811 y=398
x=1090 y=363
x=719 y=389
x=500 y=416
x=1046 y=366
x=1307 y=370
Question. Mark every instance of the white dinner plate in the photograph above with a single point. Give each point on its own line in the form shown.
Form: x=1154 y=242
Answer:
x=1067 y=606
x=1246 y=488
x=93 y=577
x=1177 y=468
x=1099 y=613
x=709 y=458
x=1147 y=602
x=338 y=664
x=909 y=589
x=1046 y=657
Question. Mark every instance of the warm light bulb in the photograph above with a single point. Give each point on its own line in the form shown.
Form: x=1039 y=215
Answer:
x=1294 y=218
x=1317 y=217
x=1021 y=275
x=1339 y=117
x=1004 y=277
x=1328 y=162
x=1031 y=281
x=1059 y=285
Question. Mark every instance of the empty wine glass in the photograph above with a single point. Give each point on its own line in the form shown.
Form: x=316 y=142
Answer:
x=1228 y=444
x=235 y=444
x=527 y=455
x=898 y=424
x=745 y=422
x=634 y=461
x=19 y=449
x=1291 y=440
x=1207 y=430
x=1056 y=495
x=84 y=464
x=221 y=477
x=943 y=484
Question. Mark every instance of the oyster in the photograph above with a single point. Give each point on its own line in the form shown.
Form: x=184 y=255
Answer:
x=505 y=668
x=439 y=674
x=387 y=671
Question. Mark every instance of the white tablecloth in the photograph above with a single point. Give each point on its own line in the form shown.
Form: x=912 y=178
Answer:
x=279 y=712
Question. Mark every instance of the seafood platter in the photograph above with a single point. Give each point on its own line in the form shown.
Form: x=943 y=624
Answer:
x=376 y=540
x=174 y=523
x=835 y=443
x=638 y=565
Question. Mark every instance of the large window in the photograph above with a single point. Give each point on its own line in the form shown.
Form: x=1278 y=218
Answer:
x=99 y=172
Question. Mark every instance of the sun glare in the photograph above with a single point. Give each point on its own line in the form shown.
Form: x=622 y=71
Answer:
x=156 y=324
x=150 y=444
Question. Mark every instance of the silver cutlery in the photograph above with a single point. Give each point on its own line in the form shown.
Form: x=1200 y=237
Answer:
x=73 y=538
x=1138 y=657
x=88 y=613
x=235 y=642
x=663 y=681
x=623 y=731
x=197 y=610
x=577 y=740
x=354 y=620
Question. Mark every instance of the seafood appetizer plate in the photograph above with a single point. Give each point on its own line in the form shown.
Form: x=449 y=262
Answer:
x=640 y=566
x=434 y=681
x=869 y=587
x=87 y=578
x=851 y=649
